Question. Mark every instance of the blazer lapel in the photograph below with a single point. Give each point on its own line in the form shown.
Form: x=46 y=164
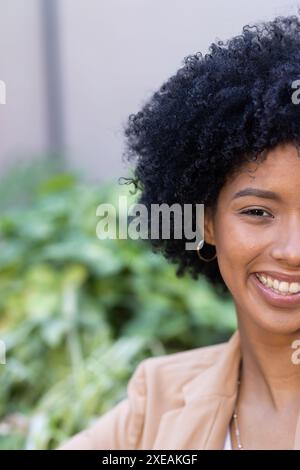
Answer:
x=209 y=398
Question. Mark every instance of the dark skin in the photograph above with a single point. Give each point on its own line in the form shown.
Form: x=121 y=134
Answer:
x=268 y=240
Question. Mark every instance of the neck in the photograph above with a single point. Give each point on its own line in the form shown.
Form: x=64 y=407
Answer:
x=268 y=370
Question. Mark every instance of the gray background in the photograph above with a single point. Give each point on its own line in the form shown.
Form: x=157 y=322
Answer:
x=75 y=69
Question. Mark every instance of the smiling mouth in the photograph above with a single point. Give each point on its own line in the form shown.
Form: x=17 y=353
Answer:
x=276 y=291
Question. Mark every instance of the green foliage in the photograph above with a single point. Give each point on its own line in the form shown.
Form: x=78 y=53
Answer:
x=77 y=314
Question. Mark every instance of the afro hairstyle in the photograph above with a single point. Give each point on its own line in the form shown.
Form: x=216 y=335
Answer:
x=217 y=112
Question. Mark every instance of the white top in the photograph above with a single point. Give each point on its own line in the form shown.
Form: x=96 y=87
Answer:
x=227 y=442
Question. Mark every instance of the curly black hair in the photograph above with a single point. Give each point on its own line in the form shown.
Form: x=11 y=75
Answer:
x=216 y=113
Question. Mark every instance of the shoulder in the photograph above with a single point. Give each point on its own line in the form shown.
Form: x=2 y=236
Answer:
x=193 y=360
x=167 y=374
x=157 y=387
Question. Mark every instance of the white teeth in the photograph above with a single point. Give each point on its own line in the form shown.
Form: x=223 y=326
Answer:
x=294 y=287
x=281 y=287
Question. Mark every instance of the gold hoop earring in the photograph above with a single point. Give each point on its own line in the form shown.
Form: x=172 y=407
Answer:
x=200 y=256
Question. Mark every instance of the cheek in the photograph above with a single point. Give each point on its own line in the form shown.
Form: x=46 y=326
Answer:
x=238 y=244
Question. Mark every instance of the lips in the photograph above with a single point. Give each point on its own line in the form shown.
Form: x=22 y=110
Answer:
x=273 y=298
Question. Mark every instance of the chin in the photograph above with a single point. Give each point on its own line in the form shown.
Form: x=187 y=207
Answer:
x=278 y=322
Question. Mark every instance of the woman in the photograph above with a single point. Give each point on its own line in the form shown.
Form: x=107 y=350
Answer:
x=224 y=131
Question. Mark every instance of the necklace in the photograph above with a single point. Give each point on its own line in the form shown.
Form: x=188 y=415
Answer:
x=235 y=419
x=237 y=431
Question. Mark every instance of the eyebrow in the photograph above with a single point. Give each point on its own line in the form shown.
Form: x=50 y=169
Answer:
x=262 y=193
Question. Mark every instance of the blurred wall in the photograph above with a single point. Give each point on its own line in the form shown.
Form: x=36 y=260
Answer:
x=23 y=117
x=113 y=54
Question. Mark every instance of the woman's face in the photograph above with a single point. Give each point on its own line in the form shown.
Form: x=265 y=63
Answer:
x=260 y=233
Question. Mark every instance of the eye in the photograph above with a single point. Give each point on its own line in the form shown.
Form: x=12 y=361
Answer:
x=256 y=212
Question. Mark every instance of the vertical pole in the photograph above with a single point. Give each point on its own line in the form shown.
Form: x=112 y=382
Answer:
x=53 y=78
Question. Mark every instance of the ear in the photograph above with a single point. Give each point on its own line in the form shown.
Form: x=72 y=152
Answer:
x=209 y=231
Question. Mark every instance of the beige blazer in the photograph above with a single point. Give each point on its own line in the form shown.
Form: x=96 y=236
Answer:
x=180 y=401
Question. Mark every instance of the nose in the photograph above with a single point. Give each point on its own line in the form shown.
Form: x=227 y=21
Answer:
x=286 y=248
